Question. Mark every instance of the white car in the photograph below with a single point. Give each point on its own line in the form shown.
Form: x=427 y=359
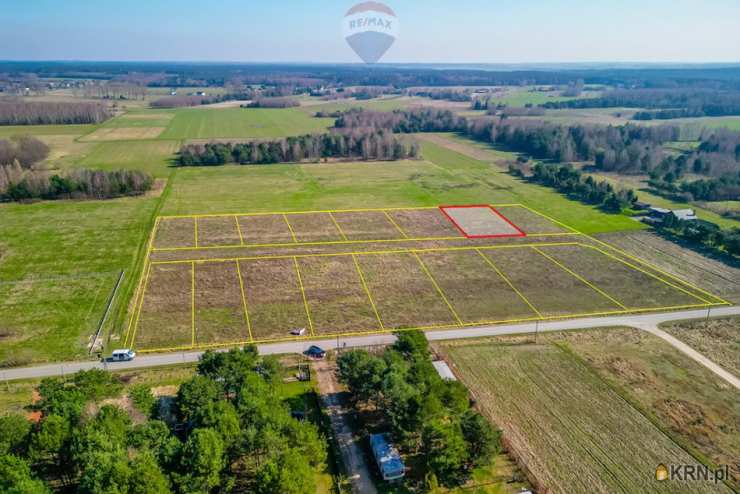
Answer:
x=123 y=355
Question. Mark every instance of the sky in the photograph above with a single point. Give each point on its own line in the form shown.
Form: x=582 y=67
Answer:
x=431 y=31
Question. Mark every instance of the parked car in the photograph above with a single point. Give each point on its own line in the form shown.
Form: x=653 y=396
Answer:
x=123 y=355
x=315 y=352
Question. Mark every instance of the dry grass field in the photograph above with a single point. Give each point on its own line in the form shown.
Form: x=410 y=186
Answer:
x=718 y=339
x=219 y=280
x=597 y=411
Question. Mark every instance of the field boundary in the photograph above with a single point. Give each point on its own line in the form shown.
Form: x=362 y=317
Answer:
x=704 y=298
x=486 y=206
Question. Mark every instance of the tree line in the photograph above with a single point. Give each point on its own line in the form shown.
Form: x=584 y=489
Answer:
x=17 y=184
x=703 y=233
x=52 y=113
x=624 y=149
x=427 y=416
x=231 y=431
x=356 y=144
x=572 y=182
x=280 y=102
x=24 y=149
x=663 y=103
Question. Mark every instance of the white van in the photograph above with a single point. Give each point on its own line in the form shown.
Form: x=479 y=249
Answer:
x=123 y=355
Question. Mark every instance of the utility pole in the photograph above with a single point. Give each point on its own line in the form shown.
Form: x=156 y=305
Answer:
x=536 y=330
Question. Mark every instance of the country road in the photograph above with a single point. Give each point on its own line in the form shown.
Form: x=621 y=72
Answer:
x=646 y=322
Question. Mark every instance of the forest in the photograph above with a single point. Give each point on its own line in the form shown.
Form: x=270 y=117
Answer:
x=228 y=429
x=17 y=184
x=662 y=103
x=51 y=113
x=354 y=144
x=26 y=150
x=426 y=415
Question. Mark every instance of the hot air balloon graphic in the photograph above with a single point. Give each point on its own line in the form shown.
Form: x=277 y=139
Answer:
x=370 y=28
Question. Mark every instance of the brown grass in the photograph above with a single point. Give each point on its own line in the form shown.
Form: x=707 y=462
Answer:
x=166 y=319
x=314 y=227
x=716 y=339
x=619 y=280
x=530 y=222
x=549 y=288
x=367 y=225
x=423 y=223
x=124 y=133
x=474 y=288
x=403 y=293
x=266 y=229
x=273 y=297
x=218 y=230
x=219 y=311
x=337 y=301
x=175 y=232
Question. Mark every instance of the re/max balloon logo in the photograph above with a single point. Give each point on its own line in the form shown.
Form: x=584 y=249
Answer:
x=370 y=29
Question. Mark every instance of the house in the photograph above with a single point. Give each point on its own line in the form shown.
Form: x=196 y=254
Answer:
x=387 y=458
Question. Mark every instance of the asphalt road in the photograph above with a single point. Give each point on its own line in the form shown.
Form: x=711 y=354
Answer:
x=648 y=322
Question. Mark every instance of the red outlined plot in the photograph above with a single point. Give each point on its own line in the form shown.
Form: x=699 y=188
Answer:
x=481 y=221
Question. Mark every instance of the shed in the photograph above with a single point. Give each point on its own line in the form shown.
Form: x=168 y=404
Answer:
x=444 y=370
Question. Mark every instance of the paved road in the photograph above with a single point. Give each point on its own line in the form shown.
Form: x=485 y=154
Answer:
x=162 y=359
x=353 y=457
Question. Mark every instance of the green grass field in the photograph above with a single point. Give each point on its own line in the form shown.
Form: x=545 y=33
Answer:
x=207 y=123
x=574 y=428
x=149 y=156
x=59 y=261
x=442 y=177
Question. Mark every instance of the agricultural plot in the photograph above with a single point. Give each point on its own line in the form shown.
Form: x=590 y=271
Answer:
x=574 y=432
x=219 y=280
x=207 y=123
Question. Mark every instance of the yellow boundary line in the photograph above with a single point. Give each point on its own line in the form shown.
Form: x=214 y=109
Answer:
x=339 y=228
x=637 y=268
x=425 y=328
x=244 y=301
x=630 y=256
x=436 y=285
x=319 y=243
x=192 y=302
x=368 y=253
x=398 y=227
x=146 y=272
x=364 y=210
x=508 y=282
x=239 y=230
x=303 y=295
x=137 y=311
x=367 y=291
x=580 y=278
x=195 y=222
x=292 y=233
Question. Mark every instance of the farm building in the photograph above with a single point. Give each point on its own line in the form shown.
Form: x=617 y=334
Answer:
x=658 y=215
x=387 y=458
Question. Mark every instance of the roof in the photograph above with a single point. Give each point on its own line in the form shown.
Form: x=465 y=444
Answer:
x=660 y=210
x=684 y=214
x=386 y=455
x=444 y=370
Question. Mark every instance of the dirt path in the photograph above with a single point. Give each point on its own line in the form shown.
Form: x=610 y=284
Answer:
x=691 y=353
x=353 y=457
